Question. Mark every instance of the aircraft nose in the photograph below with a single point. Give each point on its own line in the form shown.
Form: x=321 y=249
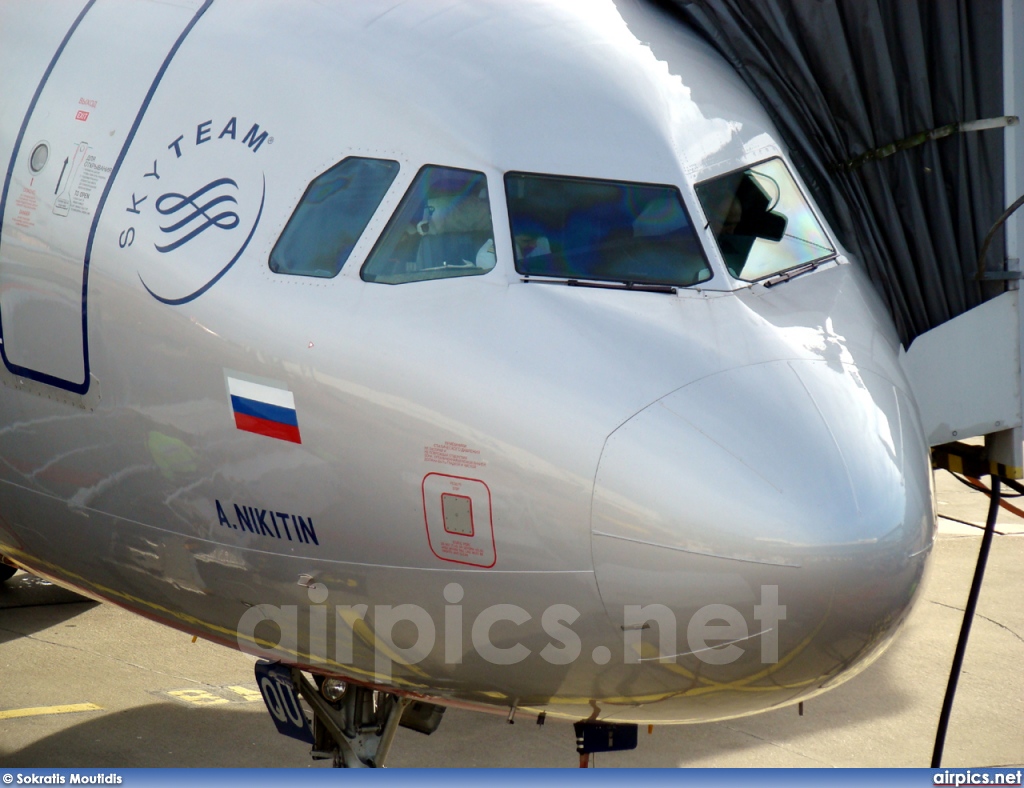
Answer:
x=809 y=477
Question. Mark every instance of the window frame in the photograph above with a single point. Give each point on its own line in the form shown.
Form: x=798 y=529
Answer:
x=712 y=269
x=400 y=204
x=362 y=233
x=822 y=224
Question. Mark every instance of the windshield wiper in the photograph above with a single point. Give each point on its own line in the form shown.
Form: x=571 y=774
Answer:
x=792 y=273
x=625 y=285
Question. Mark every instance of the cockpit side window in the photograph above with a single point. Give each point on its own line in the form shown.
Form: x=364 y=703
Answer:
x=761 y=221
x=330 y=217
x=576 y=228
x=441 y=229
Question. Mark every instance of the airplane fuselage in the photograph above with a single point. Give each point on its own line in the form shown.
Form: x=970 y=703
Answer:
x=595 y=497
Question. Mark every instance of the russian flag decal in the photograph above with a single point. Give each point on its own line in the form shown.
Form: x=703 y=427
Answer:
x=264 y=409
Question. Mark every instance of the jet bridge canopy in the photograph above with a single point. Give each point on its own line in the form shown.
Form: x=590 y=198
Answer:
x=902 y=119
x=868 y=95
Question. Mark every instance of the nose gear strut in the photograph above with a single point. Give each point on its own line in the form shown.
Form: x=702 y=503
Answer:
x=356 y=731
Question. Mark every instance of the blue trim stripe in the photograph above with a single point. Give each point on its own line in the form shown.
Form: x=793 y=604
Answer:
x=263 y=410
x=113 y=176
x=540 y=777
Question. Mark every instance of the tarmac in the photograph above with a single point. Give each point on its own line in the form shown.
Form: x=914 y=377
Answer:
x=84 y=684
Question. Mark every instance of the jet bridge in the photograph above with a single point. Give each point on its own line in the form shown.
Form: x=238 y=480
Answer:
x=903 y=119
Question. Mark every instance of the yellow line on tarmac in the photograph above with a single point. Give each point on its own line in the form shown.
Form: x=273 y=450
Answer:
x=38 y=711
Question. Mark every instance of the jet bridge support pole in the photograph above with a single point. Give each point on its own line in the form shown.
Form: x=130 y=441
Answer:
x=1006 y=447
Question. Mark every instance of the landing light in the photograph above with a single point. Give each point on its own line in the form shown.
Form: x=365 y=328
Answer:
x=333 y=689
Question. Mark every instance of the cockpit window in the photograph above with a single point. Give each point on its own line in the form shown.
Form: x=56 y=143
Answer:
x=761 y=221
x=575 y=228
x=442 y=229
x=331 y=216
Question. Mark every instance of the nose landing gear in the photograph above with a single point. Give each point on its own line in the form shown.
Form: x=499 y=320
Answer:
x=354 y=729
x=358 y=730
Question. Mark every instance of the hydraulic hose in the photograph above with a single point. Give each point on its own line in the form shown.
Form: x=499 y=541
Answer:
x=965 y=627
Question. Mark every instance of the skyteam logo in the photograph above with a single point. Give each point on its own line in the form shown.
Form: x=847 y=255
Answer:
x=193 y=214
x=194 y=210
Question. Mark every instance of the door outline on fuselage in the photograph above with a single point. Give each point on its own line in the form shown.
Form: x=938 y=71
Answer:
x=76 y=387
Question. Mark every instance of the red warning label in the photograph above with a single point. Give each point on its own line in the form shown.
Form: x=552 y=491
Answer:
x=455 y=454
x=457 y=513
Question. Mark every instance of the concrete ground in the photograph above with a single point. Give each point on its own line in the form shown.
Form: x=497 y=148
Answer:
x=89 y=685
